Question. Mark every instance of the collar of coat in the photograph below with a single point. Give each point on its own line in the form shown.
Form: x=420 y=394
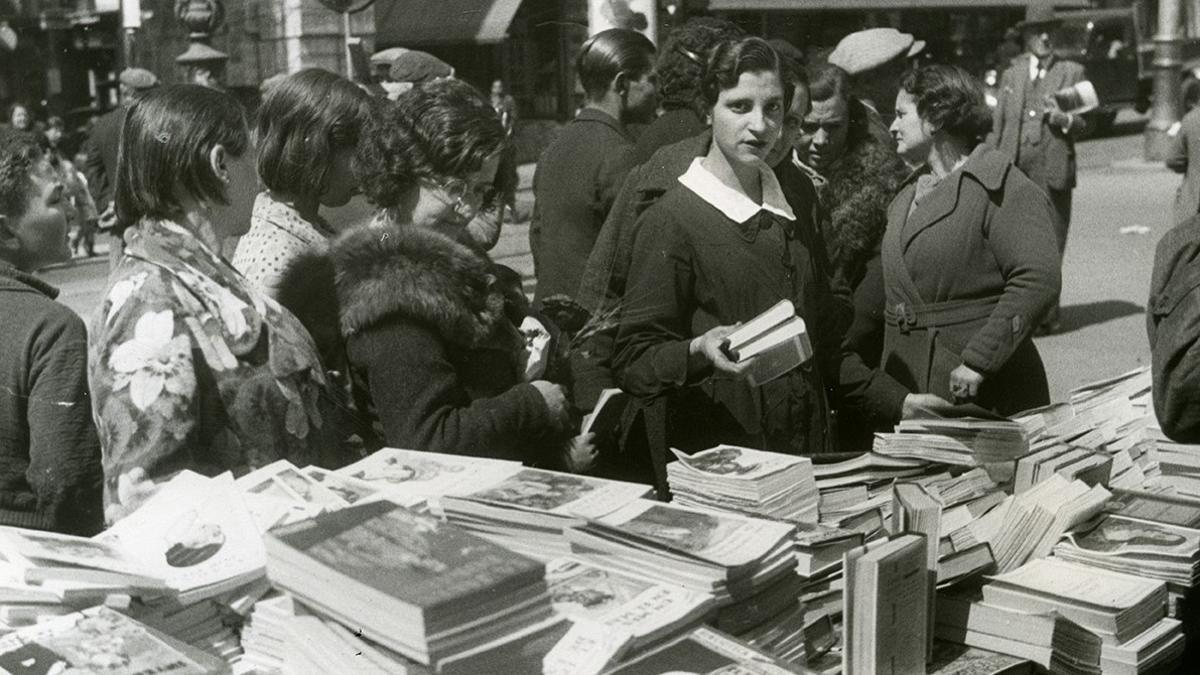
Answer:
x=594 y=115
x=14 y=279
x=387 y=270
x=986 y=166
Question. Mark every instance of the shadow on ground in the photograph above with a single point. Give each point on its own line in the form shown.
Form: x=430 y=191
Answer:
x=1074 y=317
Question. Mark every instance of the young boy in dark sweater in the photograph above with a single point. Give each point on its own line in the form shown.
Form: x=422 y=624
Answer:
x=50 y=471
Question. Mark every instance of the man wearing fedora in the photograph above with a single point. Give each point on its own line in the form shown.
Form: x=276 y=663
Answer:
x=1031 y=128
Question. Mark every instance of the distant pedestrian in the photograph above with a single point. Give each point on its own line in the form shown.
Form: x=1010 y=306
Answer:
x=19 y=117
x=506 y=108
x=579 y=175
x=50 y=476
x=101 y=148
x=82 y=240
x=1029 y=127
x=680 y=70
x=1184 y=155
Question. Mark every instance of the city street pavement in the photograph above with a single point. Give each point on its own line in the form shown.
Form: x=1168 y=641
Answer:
x=1106 y=273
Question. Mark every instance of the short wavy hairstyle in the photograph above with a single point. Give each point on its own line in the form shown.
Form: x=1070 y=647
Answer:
x=166 y=141
x=684 y=57
x=951 y=100
x=440 y=129
x=306 y=119
x=729 y=60
x=20 y=153
x=609 y=53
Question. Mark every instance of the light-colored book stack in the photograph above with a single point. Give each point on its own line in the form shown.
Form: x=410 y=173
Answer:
x=407 y=474
x=1048 y=639
x=887 y=601
x=1027 y=525
x=1093 y=467
x=529 y=510
x=98 y=640
x=1116 y=607
x=771 y=344
x=746 y=481
x=747 y=564
x=428 y=590
x=705 y=650
x=650 y=612
x=1160 y=646
x=1151 y=550
x=1178 y=464
x=960 y=441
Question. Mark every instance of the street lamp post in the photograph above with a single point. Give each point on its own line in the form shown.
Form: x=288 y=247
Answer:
x=1167 y=61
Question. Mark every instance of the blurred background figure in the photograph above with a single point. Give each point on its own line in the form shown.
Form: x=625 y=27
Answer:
x=506 y=108
x=1184 y=157
x=412 y=67
x=82 y=238
x=876 y=60
x=19 y=117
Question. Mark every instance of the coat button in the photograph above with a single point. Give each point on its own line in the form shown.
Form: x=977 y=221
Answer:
x=1033 y=113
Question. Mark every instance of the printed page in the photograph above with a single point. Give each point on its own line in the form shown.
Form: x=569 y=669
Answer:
x=724 y=539
x=561 y=493
x=1080 y=583
x=731 y=462
x=427 y=473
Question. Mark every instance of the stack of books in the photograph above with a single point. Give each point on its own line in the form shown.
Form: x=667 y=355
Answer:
x=406 y=474
x=99 y=639
x=428 y=590
x=705 y=650
x=1178 y=464
x=961 y=441
x=650 y=612
x=529 y=510
x=1117 y=607
x=1093 y=467
x=1146 y=549
x=1048 y=639
x=887 y=603
x=728 y=556
x=741 y=480
x=771 y=344
x=1159 y=647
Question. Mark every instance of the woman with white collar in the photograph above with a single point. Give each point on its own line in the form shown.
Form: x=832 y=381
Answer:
x=716 y=250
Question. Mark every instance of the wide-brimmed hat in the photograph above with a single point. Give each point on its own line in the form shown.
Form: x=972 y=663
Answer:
x=868 y=49
x=1039 y=13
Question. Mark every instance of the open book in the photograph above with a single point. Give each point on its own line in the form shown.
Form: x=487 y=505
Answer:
x=777 y=341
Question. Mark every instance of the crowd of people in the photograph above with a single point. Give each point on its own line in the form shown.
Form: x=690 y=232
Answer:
x=859 y=185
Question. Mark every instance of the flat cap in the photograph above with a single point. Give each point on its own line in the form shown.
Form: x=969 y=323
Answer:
x=867 y=49
x=417 y=67
x=138 y=78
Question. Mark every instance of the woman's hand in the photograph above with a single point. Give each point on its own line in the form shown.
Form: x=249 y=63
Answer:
x=964 y=383
x=709 y=345
x=917 y=406
x=580 y=453
x=556 y=400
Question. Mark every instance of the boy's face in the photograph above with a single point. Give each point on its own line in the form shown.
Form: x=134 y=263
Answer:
x=39 y=236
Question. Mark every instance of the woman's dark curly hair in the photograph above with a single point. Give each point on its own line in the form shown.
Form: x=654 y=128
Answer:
x=306 y=119
x=440 y=129
x=729 y=60
x=951 y=100
x=683 y=58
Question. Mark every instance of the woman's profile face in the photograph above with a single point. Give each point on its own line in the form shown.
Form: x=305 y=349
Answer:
x=448 y=205
x=240 y=191
x=747 y=118
x=914 y=136
x=340 y=183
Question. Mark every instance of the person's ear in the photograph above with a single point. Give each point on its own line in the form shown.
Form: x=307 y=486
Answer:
x=218 y=161
x=620 y=83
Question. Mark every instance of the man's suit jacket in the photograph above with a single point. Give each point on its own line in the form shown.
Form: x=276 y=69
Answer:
x=1185 y=159
x=1016 y=108
x=101 y=150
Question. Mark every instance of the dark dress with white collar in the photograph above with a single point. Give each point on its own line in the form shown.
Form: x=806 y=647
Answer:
x=695 y=268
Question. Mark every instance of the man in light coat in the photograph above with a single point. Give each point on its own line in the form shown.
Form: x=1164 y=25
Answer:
x=1031 y=128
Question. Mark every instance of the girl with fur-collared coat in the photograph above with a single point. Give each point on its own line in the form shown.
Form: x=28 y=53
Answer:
x=432 y=331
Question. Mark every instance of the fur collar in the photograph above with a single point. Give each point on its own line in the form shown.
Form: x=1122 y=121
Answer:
x=387 y=270
x=861 y=185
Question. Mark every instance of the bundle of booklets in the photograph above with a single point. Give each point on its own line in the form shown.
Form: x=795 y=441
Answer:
x=530 y=510
x=771 y=344
x=746 y=481
x=420 y=587
x=962 y=441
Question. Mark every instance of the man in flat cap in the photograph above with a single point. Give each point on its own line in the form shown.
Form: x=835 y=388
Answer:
x=1029 y=126
x=411 y=68
x=876 y=60
x=101 y=152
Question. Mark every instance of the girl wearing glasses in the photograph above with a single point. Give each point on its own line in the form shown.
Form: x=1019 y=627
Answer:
x=431 y=327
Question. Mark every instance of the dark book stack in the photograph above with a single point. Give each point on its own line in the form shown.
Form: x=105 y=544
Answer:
x=423 y=588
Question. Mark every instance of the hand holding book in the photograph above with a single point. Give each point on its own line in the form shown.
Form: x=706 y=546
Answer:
x=711 y=348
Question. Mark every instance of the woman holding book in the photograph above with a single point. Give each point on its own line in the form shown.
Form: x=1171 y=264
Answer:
x=433 y=328
x=720 y=247
x=969 y=267
x=190 y=367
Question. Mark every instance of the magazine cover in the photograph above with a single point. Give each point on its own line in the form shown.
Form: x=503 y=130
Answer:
x=1116 y=536
x=561 y=493
x=731 y=461
x=426 y=473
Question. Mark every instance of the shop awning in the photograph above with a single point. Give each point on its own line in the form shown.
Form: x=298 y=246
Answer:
x=412 y=23
x=863 y=5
